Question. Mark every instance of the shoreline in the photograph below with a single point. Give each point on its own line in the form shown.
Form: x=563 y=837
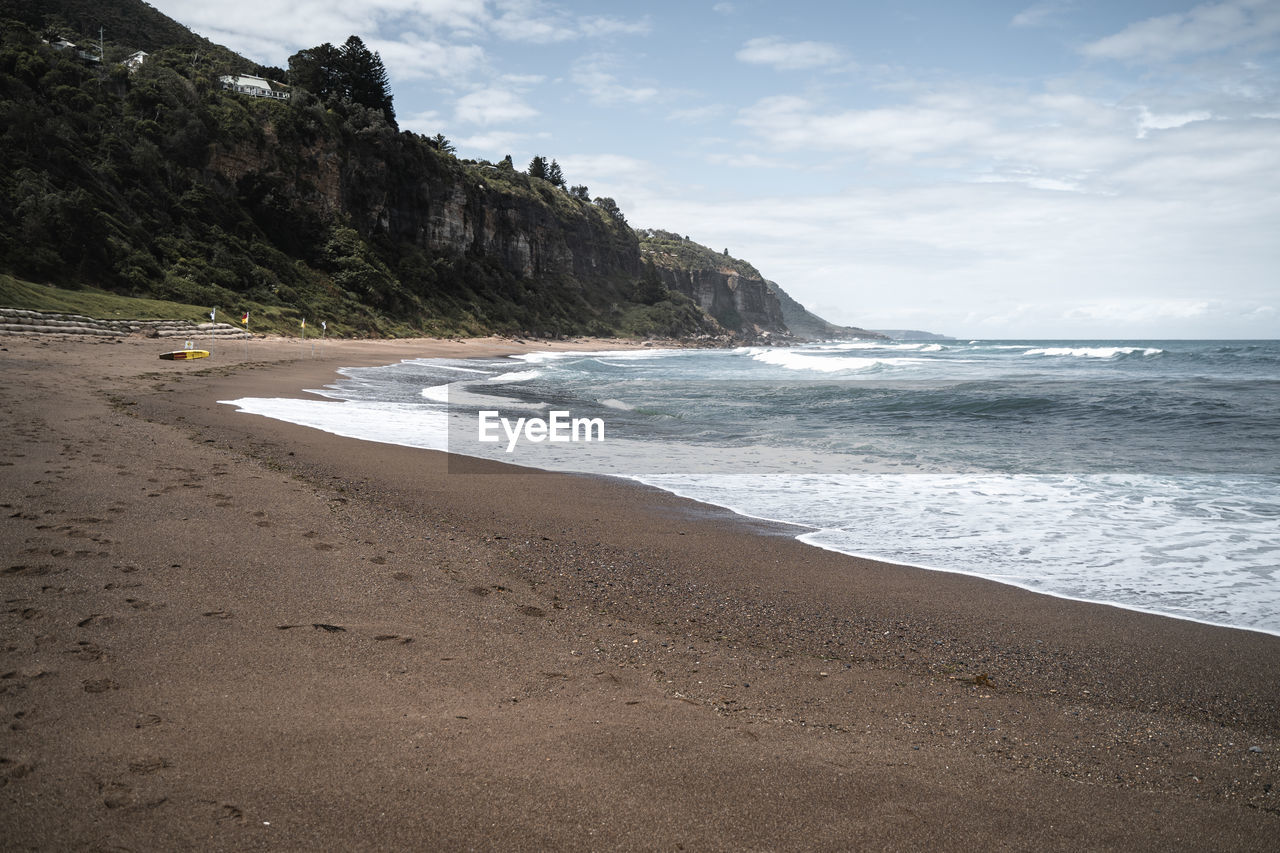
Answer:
x=608 y=344
x=359 y=644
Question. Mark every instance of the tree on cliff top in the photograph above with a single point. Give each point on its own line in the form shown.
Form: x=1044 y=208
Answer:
x=555 y=175
x=351 y=72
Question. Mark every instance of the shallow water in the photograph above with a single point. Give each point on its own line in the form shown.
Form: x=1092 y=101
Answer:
x=1144 y=474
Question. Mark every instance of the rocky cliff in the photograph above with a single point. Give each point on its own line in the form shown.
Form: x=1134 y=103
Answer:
x=729 y=289
x=395 y=190
x=738 y=303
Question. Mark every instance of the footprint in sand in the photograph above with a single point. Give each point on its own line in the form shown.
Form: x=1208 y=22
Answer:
x=12 y=769
x=229 y=813
x=219 y=614
x=86 y=651
x=146 y=721
x=404 y=641
x=117 y=795
x=28 y=571
x=148 y=765
x=99 y=685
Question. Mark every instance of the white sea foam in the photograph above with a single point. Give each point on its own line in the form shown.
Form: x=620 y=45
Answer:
x=825 y=364
x=389 y=423
x=440 y=365
x=1160 y=544
x=436 y=394
x=516 y=376
x=1093 y=352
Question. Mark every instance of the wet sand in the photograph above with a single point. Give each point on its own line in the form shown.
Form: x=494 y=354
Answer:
x=226 y=632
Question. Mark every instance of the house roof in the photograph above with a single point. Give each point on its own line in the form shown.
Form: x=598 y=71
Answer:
x=246 y=80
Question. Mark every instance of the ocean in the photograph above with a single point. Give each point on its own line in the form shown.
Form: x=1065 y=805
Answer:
x=1142 y=474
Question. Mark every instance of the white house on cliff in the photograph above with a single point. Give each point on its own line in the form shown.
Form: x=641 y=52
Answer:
x=247 y=84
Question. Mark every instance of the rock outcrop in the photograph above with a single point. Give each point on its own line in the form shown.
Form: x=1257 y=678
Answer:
x=739 y=303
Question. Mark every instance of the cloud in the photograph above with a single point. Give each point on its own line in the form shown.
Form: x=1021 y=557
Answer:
x=271 y=32
x=413 y=57
x=692 y=115
x=723 y=9
x=1043 y=14
x=597 y=26
x=544 y=23
x=426 y=122
x=790 y=56
x=599 y=167
x=416 y=38
x=1148 y=120
x=1238 y=24
x=1014 y=258
x=494 y=144
x=492 y=106
x=594 y=76
x=891 y=133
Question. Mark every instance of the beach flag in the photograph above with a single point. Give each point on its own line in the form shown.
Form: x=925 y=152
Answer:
x=213 y=315
x=304 y=323
x=323 y=325
x=245 y=318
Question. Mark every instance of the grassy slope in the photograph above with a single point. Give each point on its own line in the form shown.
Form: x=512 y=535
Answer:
x=91 y=302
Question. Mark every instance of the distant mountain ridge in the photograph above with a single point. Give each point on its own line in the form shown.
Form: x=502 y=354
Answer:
x=157 y=181
x=805 y=324
x=913 y=335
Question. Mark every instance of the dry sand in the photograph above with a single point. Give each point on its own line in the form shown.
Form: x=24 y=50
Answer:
x=226 y=632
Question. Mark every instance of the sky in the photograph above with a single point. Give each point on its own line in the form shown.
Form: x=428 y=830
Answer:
x=1052 y=169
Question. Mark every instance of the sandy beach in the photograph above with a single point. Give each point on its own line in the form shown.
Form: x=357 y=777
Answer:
x=223 y=632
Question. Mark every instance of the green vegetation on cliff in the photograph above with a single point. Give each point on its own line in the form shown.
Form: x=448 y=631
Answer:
x=154 y=180
x=667 y=249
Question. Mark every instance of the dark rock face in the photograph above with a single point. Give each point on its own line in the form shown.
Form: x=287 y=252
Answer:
x=738 y=303
x=401 y=193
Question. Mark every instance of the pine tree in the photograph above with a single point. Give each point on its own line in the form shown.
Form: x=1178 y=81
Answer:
x=538 y=167
x=366 y=78
x=554 y=175
x=317 y=70
x=348 y=73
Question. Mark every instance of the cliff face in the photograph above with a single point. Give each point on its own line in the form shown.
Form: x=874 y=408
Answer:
x=736 y=301
x=399 y=193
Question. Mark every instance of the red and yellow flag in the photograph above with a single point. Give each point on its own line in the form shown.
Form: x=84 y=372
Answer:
x=245 y=318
